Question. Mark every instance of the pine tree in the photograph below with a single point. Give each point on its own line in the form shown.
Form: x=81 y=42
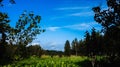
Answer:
x=87 y=43
x=67 y=48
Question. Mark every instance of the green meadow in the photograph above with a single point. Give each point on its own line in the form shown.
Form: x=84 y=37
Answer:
x=47 y=61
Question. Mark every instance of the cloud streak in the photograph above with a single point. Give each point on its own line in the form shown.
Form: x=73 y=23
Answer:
x=82 y=14
x=77 y=14
x=81 y=26
x=53 y=28
x=72 y=8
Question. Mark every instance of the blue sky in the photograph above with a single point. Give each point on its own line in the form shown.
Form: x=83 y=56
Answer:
x=62 y=19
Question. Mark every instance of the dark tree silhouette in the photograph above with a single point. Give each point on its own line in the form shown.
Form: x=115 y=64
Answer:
x=21 y=35
x=87 y=43
x=81 y=48
x=100 y=43
x=74 y=48
x=25 y=31
x=76 y=44
x=94 y=42
x=4 y=31
x=34 y=50
x=27 y=27
x=67 y=48
x=4 y=26
x=110 y=20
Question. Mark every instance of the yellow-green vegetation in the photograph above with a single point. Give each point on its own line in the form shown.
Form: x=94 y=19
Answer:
x=47 y=61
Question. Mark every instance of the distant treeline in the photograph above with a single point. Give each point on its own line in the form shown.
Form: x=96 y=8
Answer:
x=94 y=43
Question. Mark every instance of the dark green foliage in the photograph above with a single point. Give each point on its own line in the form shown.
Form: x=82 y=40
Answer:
x=74 y=48
x=21 y=51
x=81 y=48
x=10 y=52
x=87 y=43
x=67 y=48
x=91 y=45
x=4 y=26
x=11 y=1
x=4 y=30
x=85 y=63
x=27 y=27
x=94 y=43
x=52 y=53
x=34 y=50
x=110 y=20
x=13 y=41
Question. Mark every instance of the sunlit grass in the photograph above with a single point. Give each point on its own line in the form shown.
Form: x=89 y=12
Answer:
x=48 y=61
x=55 y=61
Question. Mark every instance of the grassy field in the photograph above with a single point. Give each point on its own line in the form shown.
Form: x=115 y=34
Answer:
x=47 y=61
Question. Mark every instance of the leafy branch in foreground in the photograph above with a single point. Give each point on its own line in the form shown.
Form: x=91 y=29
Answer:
x=11 y=1
x=110 y=21
x=27 y=27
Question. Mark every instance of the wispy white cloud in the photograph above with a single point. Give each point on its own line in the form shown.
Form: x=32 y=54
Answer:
x=82 y=14
x=76 y=26
x=77 y=14
x=53 y=28
x=72 y=8
x=85 y=12
x=80 y=26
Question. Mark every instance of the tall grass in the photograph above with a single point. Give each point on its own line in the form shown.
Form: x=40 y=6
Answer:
x=47 y=61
